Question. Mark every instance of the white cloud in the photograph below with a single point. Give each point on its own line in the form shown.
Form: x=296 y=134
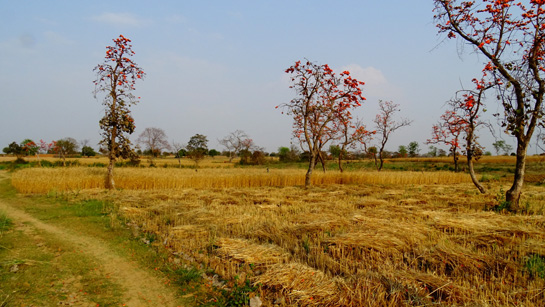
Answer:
x=376 y=83
x=121 y=19
x=369 y=75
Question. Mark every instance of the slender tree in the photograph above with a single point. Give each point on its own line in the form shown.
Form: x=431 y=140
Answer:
x=350 y=135
x=462 y=120
x=234 y=143
x=469 y=108
x=386 y=124
x=323 y=98
x=178 y=148
x=413 y=148
x=154 y=140
x=448 y=131
x=510 y=36
x=117 y=78
x=64 y=148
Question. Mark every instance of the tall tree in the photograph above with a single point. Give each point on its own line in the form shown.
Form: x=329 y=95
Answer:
x=245 y=152
x=510 y=36
x=234 y=143
x=155 y=141
x=386 y=124
x=17 y=150
x=413 y=148
x=65 y=147
x=197 y=148
x=402 y=151
x=468 y=107
x=322 y=99
x=462 y=120
x=117 y=78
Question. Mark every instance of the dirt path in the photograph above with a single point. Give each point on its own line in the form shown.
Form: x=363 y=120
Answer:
x=141 y=287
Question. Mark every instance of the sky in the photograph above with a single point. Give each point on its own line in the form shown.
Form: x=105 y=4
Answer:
x=213 y=67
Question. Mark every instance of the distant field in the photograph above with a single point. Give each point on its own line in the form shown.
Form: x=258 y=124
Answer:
x=219 y=161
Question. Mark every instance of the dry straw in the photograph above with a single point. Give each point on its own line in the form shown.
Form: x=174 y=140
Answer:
x=386 y=239
x=44 y=180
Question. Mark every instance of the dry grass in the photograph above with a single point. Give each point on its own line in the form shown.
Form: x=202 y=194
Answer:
x=43 y=180
x=386 y=239
x=484 y=159
x=354 y=245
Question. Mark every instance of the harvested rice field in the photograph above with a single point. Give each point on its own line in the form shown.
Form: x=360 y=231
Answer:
x=377 y=239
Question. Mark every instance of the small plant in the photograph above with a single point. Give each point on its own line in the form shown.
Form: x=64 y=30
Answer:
x=503 y=204
x=148 y=237
x=5 y=223
x=239 y=295
x=306 y=244
x=187 y=275
x=535 y=266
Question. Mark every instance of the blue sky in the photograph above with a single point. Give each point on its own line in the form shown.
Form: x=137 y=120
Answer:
x=217 y=66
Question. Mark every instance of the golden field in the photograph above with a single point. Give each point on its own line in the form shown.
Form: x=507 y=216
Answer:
x=377 y=239
x=43 y=180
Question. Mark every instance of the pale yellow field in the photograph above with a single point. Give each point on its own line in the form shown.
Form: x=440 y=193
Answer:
x=43 y=180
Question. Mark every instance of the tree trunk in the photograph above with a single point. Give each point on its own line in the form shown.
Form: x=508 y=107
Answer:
x=231 y=156
x=376 y=163
x=109 y=182
x=341 y=162
x=455 y=156
x=321 y=160
x=381 y=161
x=512 y=196
x=469 y=149
x=472 y=174
x=311 y=165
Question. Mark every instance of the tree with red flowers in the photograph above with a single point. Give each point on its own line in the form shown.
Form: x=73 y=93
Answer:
x=510 y=36
x=323 y=100
x=45 y=148
x=469 y=106
x=386 y=124
x=462 y=119
x=448 y=131
x=117 y=77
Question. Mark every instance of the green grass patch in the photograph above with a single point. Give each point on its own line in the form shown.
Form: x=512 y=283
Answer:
x=5 y=222
x=535 y=266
